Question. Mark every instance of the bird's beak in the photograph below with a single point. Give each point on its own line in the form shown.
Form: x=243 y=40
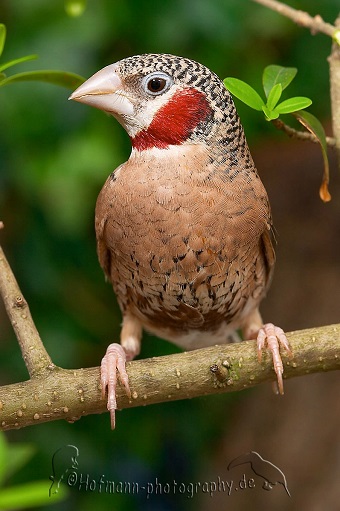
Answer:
x=105 y=90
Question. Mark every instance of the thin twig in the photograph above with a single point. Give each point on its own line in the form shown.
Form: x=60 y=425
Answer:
x=33 y=351
x=315 y=24
x=302 y=135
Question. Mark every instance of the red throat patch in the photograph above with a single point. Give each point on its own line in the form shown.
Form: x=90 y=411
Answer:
x=175 y=121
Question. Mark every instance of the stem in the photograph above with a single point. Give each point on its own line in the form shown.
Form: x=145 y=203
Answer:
x=302 y=135
x=334 y=72
x=315 y=24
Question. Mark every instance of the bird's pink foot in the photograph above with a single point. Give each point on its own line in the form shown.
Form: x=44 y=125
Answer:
x=273 y=337
x=113 y=363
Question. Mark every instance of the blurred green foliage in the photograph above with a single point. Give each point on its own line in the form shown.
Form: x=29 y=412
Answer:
x=50 y=76
x=54 y=158
x=12 y=458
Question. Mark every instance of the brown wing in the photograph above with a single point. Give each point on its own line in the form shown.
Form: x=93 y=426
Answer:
x=269 y=255
x=104 y=254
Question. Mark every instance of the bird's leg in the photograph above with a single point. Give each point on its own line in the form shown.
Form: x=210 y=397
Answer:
x=270 y=336
x=115 y=359
x=274 y=337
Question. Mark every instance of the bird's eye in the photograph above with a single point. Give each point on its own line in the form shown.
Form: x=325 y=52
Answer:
x=157 y=83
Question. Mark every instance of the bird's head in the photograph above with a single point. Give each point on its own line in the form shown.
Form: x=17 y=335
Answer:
x=161 y=100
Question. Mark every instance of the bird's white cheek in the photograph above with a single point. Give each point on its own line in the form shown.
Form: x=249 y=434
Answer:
x=133 y=124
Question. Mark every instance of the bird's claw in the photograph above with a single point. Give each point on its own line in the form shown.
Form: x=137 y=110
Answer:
x=273 y=337
x=112 y=363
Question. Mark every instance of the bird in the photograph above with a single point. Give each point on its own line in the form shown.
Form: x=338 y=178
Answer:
x=184 y=226
x=271 y=474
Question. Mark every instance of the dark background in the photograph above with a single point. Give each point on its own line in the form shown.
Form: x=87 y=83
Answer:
x=54 y=158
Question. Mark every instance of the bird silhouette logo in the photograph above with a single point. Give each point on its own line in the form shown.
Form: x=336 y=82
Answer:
x=271 y=474
x=63 y=461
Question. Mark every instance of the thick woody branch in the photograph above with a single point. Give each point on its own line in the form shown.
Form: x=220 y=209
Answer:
x=315 y=24
x=71 y=394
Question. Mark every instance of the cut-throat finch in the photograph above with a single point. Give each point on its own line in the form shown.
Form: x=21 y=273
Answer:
x=184 y=226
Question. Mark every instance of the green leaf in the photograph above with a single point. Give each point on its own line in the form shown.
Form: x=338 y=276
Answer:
x=29 y=495
x=69 y=80
x=14 y=62
x=274 y=96
x=270 y=114
x=244 y=92
x=273 y=75
x=293 y=104
x=2 y=37
x=312 y=124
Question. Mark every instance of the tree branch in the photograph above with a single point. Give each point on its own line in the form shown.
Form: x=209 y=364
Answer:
x=334 y=72
x=315 y=24
x=71 y=394
x=33 y=351
x=54 y=393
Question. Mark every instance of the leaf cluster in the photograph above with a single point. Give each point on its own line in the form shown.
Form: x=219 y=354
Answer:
x=275 y=79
